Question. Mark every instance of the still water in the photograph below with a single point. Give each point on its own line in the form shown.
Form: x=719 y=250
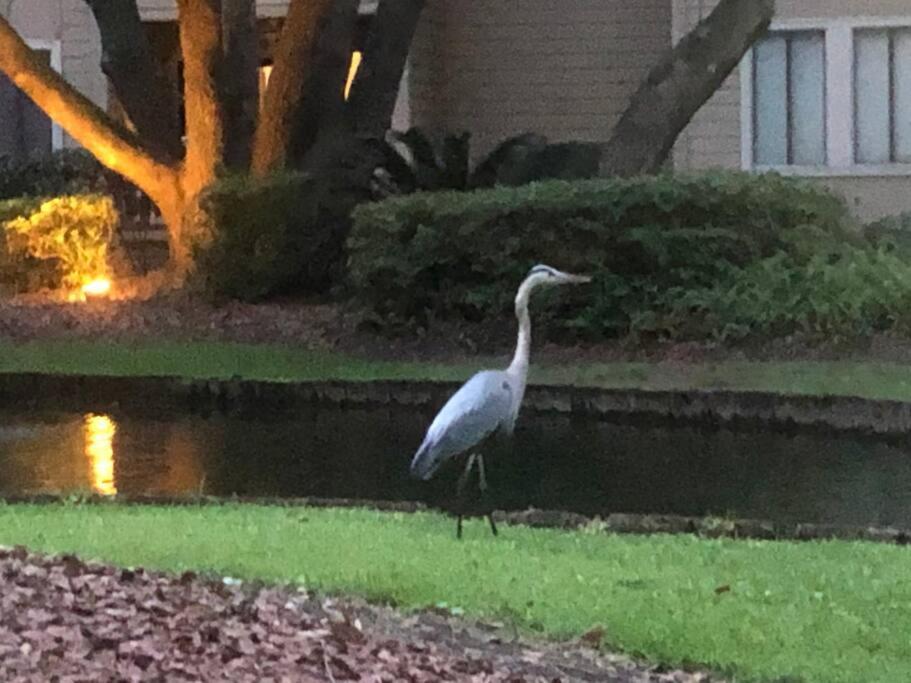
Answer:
x=584 y=465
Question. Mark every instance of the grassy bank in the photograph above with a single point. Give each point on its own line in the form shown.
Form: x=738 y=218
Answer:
x=820 y=612
x=282 y=363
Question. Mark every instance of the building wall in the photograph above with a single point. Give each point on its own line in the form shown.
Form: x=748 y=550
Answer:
x=70 y=23
x=713 y=138
x=566 y=70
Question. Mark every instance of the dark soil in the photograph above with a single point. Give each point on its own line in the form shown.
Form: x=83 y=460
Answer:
x=62 y=619
x=329 y=325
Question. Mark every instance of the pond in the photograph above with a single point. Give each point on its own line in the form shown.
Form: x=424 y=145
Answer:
x=588 y=465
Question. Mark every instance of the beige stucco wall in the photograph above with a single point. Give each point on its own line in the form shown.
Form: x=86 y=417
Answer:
x=565 y=69
x=713 y=138
x=70 y=23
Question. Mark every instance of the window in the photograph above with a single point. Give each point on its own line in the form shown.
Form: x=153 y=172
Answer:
x=882 y=96
x=829 y=96
x=27 y=133
x=789 y=99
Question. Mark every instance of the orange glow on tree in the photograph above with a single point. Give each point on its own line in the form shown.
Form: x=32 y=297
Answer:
x=356 y=58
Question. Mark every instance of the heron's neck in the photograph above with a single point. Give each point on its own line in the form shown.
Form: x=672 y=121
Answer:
x=519 y=365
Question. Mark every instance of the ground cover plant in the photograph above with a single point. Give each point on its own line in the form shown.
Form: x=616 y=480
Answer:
x=819 y=612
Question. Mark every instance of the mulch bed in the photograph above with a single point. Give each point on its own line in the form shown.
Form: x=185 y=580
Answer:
x=326 y=324
x=62 y=619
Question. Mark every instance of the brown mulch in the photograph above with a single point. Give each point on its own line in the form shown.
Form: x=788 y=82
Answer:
x=62 y=619
x=330 y=325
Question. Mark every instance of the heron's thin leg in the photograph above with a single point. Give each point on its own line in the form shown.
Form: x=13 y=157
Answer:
x=482 y=478
x=464 y=478
x=493 y=526
x=459 y=526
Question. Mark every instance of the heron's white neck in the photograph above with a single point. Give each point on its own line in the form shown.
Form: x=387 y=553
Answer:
x=519 y=364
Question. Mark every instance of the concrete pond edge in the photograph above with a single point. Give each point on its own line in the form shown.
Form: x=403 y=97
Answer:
x=755 y=409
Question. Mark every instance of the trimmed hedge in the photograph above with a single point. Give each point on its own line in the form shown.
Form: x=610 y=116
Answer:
x=461 y=255
x=271 y=235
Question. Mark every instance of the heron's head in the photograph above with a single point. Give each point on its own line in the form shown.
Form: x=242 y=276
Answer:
x=546 y=275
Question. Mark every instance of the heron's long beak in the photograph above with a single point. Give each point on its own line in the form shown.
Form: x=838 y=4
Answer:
x=575 y=279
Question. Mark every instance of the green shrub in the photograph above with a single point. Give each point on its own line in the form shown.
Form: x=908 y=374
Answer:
x=60 y=241
x=892 y=232
x=269 y=235
x=64 y=172
x=461 y=255
x=853 y=292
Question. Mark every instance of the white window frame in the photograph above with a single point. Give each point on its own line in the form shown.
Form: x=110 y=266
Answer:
x=839 y=99
x=52 y=46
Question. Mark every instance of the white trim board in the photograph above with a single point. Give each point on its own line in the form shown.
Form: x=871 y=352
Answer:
x=52 y=46
x=839 y=99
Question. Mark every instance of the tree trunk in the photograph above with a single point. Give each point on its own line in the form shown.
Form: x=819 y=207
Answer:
x=323 y=104
x=139 y=81
x=200 y=42
x=376 y=85
x=682 y=81
x=240 y=80
x=292 y=67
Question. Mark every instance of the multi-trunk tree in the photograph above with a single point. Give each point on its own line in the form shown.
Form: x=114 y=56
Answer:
x=305 y=121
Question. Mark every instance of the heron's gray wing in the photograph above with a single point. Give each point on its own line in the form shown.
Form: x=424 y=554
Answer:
x=474 y=412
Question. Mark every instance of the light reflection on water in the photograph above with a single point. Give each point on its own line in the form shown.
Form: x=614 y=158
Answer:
x=99 y=449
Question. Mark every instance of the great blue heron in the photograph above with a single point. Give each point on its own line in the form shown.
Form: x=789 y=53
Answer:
x=487 y=402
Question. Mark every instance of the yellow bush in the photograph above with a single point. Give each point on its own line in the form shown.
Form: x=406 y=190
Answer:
x=76 y=231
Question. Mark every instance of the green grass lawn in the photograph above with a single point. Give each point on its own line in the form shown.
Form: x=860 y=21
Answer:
x=282 y=363
x=820 y=612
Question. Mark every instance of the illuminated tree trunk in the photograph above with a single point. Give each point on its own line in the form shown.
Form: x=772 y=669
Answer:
x=139 y=81
x=291 y=70
x=201 y=46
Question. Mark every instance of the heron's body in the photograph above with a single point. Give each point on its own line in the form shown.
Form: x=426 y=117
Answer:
x=489 y=401
x=486 y=403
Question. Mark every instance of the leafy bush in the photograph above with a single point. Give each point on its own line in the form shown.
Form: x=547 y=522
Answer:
x=851 y=292
x=891 y=232
x=461 y=255
x=270 y=235
x=72 y=233
x=64 y=172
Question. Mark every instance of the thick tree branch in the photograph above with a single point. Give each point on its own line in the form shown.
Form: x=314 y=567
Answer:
x=376 y=86
x=139 y=81
x=323 y=100
x=240 y=81
x=292 y=67
x=200 y=43
x=682 y=81
x=83 y=120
